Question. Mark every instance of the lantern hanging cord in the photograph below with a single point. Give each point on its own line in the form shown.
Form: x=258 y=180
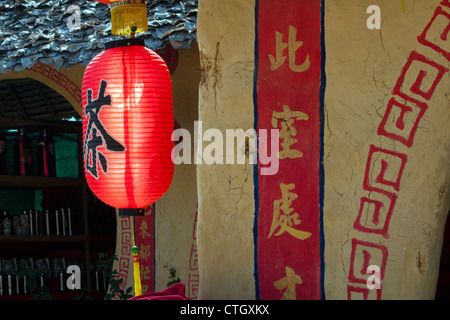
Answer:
x=133 y=32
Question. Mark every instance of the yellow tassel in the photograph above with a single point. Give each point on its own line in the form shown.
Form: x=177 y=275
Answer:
x=136 y=267
x=125 y=16
x=137 y=272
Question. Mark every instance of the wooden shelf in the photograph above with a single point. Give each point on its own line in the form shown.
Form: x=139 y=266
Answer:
x=40 y=182
x=35 y=124
x=77 y=246
x=58 y=295
x=102 y=238
x=35 y=239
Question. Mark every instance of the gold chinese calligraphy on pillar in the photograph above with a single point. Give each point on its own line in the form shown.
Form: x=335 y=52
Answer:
x=143 y=230
x=292 y=45
x=288 y=132
x=284 y=219
x=145 y=275
x=288 y=284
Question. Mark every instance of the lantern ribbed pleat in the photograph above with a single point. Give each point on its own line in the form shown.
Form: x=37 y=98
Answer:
x=139 y=119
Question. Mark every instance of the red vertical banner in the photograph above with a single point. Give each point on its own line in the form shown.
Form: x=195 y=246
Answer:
x=288 y=98
x=144 y=227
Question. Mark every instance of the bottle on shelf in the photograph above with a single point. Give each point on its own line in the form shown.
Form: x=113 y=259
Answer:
x=47 y=223
x=6 y=224
x=65 y=227
x=42 y=283
x=37 y=230
x=61 y=282
x=10 y=285
x=46 y=154
x=16 y=226
x=25 y=223
x=57 y=223
x=22 y=154
x=31 y=223
x=69 y=221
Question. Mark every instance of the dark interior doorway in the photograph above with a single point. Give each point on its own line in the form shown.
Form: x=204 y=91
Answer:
x=31 y=99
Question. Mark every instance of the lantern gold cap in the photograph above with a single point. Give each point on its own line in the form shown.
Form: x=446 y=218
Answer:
x=128 y=17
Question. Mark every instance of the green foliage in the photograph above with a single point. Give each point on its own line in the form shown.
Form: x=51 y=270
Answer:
x=41 y=292
x=37 y=291
x=172 y=276
x=84 y=295
x=105 y=263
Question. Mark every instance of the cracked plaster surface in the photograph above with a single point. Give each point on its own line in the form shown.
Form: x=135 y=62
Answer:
x=362 y=67
x=226 y=202
x=367 y=64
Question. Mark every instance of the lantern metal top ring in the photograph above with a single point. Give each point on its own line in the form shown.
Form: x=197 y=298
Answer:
x=124 y=43
x=113 y=4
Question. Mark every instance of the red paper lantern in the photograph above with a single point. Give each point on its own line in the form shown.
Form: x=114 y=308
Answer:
x=127 y=125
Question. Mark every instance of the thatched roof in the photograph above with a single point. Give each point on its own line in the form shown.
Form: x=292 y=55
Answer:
x=37 y=31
